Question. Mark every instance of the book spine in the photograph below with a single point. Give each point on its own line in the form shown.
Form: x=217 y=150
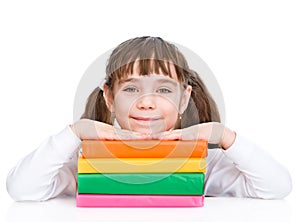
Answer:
x=141 y=165
x=144 y=149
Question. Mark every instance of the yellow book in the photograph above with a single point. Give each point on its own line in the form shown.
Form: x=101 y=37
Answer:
x=141 y=165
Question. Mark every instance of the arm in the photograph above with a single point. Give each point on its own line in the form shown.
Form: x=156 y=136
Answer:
x=48 y=171
x=240 y=168
x=51 y=169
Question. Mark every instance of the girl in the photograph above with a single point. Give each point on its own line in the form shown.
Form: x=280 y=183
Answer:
x=150 y=92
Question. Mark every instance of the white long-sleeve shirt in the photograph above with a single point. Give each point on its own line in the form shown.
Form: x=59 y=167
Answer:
x=243 y=170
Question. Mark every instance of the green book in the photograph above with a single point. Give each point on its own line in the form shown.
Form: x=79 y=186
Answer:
x=142 y=183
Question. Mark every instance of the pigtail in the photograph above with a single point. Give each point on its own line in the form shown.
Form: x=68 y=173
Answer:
x=96 y=108
x=202 y=107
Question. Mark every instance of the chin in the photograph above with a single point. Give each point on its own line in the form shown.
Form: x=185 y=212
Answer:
x=148 y=131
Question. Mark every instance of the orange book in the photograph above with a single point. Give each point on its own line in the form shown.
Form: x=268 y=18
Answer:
x=144 y=149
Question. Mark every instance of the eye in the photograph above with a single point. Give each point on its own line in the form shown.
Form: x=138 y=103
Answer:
x=164 y=90
x=131 y=89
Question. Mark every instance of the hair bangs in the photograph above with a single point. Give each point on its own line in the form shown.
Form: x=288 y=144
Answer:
x=146 y=67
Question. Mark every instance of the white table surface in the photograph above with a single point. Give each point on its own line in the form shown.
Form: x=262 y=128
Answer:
x=215 y=209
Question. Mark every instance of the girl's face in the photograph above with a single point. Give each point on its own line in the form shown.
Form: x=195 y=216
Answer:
x=148 y=104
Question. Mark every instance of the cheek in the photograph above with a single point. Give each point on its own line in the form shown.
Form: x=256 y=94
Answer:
x=170 y=112
x=123 y=103
x=169 y=104
x=122 y=106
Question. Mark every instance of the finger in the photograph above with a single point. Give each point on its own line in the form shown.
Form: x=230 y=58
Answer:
x=168 y=135
x=192 y=133
x=129 y=135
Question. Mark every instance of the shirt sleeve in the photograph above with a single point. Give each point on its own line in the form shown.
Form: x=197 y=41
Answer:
x=246 y=170
x=48 y=171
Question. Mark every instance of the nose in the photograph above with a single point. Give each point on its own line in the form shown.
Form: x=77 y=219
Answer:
x=146 y=103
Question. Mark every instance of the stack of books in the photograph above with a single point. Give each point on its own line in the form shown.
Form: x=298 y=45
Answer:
x=141 y=173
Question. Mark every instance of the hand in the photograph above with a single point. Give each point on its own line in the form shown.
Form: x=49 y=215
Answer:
x=213 y=132
x=90 y=129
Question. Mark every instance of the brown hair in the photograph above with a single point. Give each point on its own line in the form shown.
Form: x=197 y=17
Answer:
x=153 y=55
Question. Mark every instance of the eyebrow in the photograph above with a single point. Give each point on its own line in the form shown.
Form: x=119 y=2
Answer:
x=168 y=81
x=162 y=80
x=121 y=81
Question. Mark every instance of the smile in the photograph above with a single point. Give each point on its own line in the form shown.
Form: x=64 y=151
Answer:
x=145 y=120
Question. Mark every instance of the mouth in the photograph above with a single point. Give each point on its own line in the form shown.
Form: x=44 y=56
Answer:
x=147 y=124
x=145 y=120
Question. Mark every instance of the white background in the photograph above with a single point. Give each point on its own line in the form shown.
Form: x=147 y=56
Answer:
x=252 y=47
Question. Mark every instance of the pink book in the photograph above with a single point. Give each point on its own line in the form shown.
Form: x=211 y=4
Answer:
x=103 y=200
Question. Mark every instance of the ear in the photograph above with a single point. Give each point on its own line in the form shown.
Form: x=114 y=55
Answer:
x=185 y=99
x=108 y=97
